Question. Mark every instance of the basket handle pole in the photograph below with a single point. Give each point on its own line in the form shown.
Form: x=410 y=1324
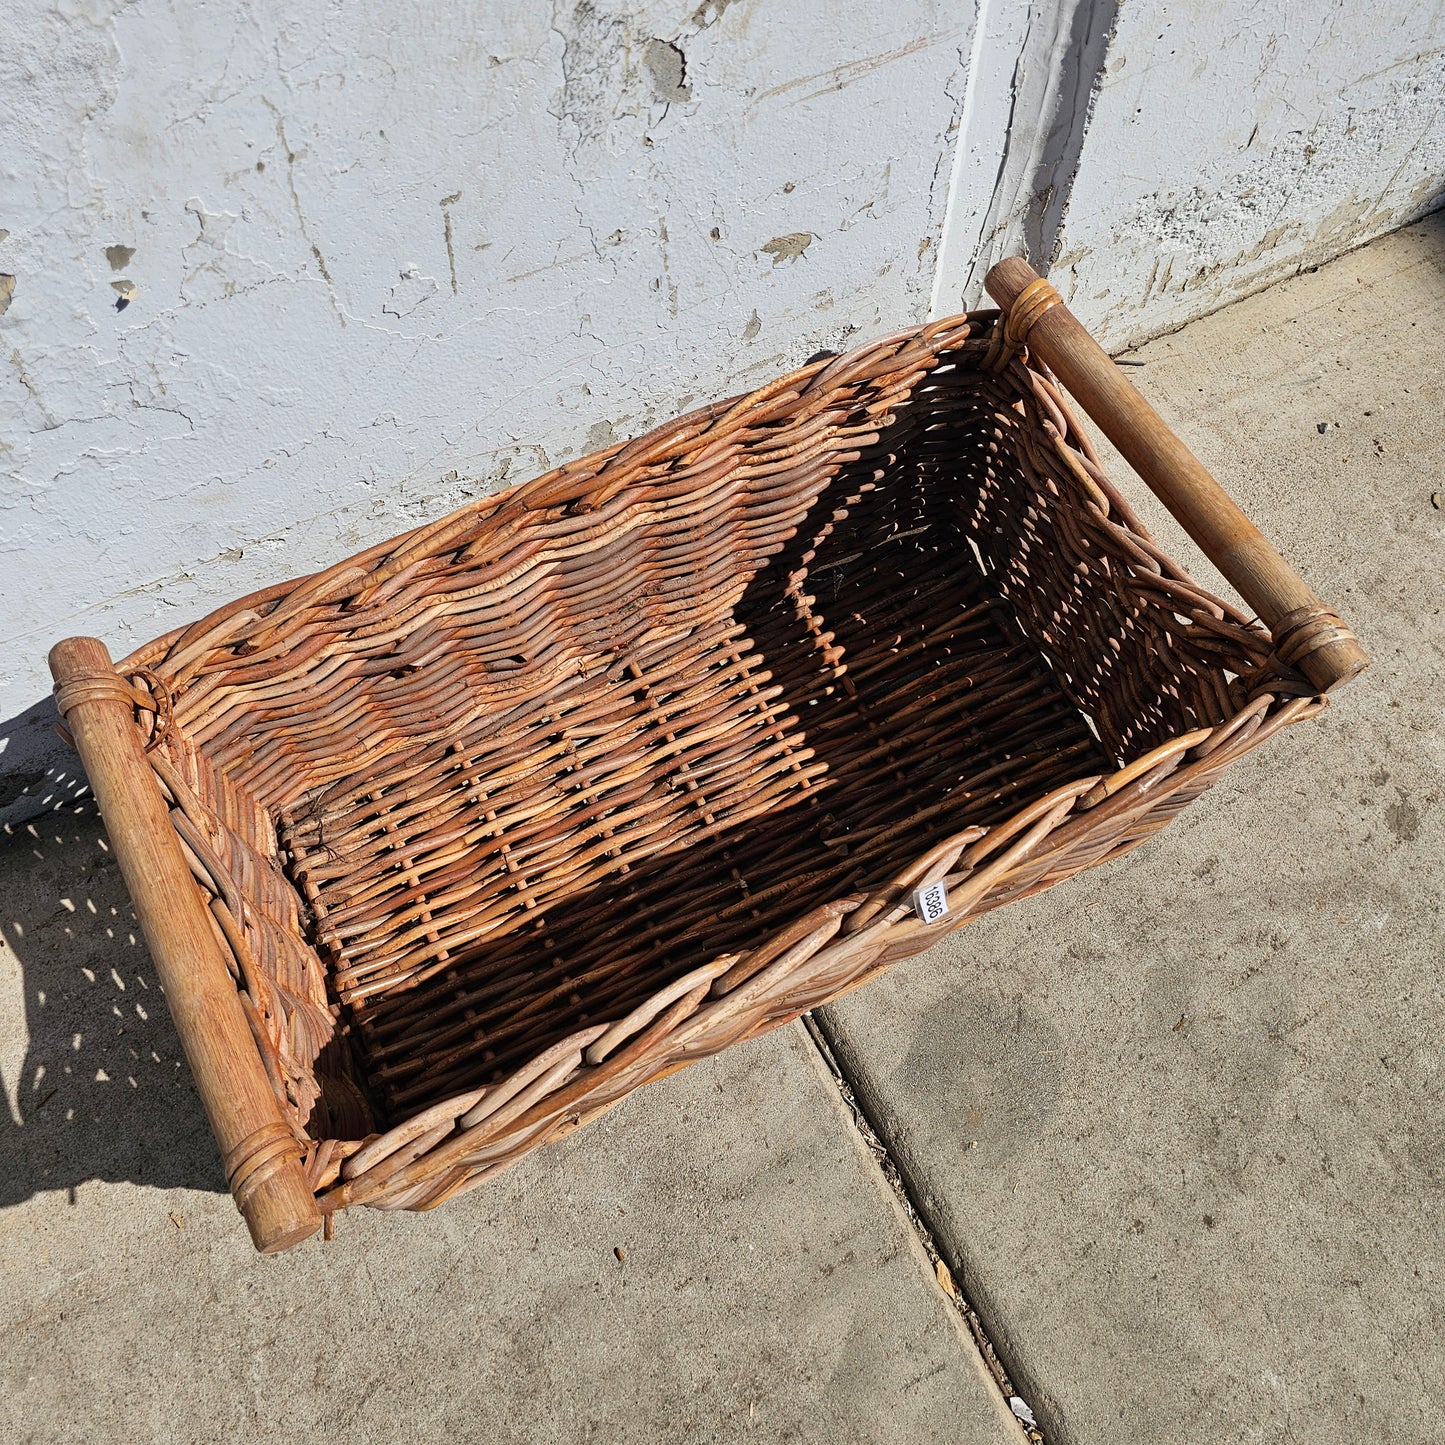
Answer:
x=1307 y=634
x=260 y=1151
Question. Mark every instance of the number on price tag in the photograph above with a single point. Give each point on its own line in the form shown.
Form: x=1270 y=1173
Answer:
x=931 y=903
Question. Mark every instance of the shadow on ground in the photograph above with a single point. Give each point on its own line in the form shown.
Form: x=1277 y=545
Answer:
x=100 y=1091
x=37 y=770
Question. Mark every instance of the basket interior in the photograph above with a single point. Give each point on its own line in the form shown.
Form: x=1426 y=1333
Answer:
x=938 y=642
x=714 y=789
x=870 y=693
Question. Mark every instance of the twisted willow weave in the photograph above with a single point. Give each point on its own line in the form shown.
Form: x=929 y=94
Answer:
x=502 y=819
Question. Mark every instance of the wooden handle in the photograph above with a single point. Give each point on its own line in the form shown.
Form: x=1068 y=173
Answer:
x=260 y=1151
x=1307 y=634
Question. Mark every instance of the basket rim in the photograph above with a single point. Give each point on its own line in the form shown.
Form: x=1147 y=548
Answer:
x=399 y=1168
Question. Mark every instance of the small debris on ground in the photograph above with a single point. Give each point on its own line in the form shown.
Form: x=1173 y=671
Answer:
x=177 y=1220
x=1437 y=500
x=621 y=1253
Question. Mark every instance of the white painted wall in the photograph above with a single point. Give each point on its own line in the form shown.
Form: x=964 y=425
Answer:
x=386 y=257
x=1234 y=143
x=381 y=258
x=1033 y=76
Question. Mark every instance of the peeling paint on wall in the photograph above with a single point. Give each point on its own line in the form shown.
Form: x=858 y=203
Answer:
x=378 y=264
x=788 y=248
x=667 y=65
x=1228 y=150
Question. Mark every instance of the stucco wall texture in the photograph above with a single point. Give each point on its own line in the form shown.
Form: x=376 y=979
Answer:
x=1232 y=144
x=279 y=281
x=381 y=259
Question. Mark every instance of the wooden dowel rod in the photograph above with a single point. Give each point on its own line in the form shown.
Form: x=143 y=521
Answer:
x=1307 y=634
x=260 y=1152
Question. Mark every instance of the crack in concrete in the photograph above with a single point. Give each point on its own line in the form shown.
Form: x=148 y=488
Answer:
x=946 y=1270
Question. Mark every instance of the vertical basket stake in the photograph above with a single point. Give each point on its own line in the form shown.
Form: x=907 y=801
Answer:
x=1307 y=634
x=259 y=1149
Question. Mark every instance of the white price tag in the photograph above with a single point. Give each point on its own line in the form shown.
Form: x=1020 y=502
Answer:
x=931 y=903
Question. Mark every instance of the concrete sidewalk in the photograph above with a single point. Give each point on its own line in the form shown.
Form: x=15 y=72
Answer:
x=1176 y=1125
x=720 y=1258
x=1181 y=1121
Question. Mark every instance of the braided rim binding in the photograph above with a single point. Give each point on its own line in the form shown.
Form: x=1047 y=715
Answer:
x=1031 y=303
x=1306 y=630
x=111 y=687
x=248 y=1163
x=102 y=687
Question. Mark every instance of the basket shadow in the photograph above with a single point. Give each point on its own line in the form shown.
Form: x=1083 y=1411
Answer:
x=894 y=664
x=103 y=1091
x=38 y=773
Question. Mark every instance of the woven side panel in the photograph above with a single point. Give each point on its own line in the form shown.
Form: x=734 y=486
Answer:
x=231 y=841
x=512 y=597
x=1138 y=645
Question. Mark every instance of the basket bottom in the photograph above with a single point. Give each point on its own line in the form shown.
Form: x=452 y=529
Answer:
x=799 y=751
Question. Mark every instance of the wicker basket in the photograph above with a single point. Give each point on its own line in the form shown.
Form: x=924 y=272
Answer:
x=443 y=851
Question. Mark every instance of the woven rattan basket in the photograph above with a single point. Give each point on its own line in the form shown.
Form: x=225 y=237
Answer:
x=445 y=850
